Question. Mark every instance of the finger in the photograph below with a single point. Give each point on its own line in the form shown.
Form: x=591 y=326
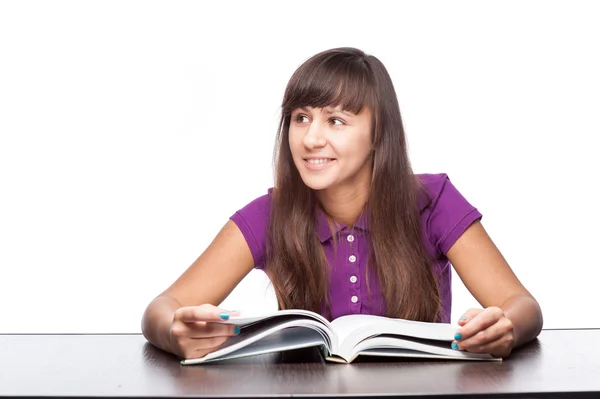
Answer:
x=197 y=351
x=468 y=315
x=490 y=334
x=203 y=330
x=500 y=347
x=207 y=343
x=207 y=312
x=201 y=352
x=479 y=322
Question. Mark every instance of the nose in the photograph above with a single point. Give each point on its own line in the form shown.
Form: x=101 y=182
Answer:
x=315 y=136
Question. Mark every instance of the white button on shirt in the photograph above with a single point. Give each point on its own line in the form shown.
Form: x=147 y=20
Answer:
x=353 y=279
x=354 y=299
x=350 y=238
x=352 y=258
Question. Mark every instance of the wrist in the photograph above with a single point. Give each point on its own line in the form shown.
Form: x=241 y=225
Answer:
x=524 y=313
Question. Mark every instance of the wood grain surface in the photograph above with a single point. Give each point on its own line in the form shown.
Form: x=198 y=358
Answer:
x=561 y=363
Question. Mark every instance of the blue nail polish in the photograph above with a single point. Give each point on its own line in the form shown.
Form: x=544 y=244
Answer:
x=455 y=346
x=236 y=330
x=463 y=318
x=458 y=336
x=224 y=316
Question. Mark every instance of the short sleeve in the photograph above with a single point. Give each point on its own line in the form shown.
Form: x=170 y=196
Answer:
x=253 y=222
x=450 y=213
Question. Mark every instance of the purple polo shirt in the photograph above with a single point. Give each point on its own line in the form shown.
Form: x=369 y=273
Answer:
x=445 y=215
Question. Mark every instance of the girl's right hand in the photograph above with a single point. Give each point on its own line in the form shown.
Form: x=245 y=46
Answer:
x=194 y=332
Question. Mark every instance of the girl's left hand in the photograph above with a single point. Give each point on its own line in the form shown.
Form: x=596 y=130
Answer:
x=485 y=331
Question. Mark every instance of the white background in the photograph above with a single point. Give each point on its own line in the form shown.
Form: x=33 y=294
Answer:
x=131 y=130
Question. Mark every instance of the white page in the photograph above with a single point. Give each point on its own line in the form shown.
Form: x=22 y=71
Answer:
x=388 y=346
x=362 y=326
x=395 y=352
x=288 y=339
x=259 y=331
x=248 y=318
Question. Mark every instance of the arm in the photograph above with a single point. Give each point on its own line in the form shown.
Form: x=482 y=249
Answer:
x=510 y=312
x=209 y=280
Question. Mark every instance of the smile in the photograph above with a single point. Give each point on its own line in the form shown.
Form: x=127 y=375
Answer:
x=318 y=163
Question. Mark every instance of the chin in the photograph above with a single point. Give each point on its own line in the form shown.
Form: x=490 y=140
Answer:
x=317 y=184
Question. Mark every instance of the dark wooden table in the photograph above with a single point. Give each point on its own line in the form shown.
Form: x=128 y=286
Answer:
x=561 y=363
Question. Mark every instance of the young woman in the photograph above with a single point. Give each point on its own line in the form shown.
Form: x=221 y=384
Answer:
x=349 y=228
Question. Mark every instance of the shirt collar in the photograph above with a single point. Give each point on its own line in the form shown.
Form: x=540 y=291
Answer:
x=324 y=233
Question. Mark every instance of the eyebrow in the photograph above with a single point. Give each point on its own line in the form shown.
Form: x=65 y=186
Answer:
x=330 y=111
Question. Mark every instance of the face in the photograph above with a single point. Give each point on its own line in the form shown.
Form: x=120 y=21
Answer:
x=331 y=147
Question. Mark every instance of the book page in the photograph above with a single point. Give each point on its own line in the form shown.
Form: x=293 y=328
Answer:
x=411 y=347
x=261 y=330
x=407 y=353
x=248 y=318
x=361 y=326
x=283 y=340
x=345 y=325
x=353 y=329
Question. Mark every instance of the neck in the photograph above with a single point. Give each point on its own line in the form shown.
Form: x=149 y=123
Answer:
x=344 y=204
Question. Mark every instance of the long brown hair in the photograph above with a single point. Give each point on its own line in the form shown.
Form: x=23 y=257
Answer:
x=296 y=263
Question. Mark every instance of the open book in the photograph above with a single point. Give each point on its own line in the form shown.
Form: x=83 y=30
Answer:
x=341 y=340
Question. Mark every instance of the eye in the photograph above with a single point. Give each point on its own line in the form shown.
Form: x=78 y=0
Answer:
x=299 y=117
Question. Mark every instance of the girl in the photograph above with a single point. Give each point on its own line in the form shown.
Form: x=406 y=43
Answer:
x=349 y=228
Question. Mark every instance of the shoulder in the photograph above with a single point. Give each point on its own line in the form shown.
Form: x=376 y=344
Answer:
x=259 y=206
x=430 y=188
x=253 y=221
x=436 y=189
x=445 y=211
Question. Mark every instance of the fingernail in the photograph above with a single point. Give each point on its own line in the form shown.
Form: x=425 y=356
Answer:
x=455 y=346
x=224 y=316
x=458 y=336
x=236 y=330
x=463 y=318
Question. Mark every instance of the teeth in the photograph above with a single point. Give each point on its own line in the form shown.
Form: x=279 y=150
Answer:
x=318 y=161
